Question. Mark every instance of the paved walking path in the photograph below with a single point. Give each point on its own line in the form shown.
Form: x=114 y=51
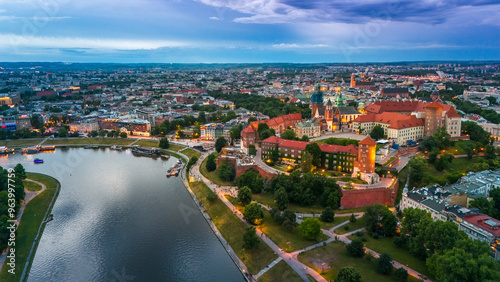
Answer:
x=135 y=141
x=268 y=267
x=29 y=195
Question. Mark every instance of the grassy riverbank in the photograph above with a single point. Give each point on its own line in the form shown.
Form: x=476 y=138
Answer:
x=232 y=229
x=30 y=222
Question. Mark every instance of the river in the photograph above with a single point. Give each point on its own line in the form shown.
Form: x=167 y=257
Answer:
x=118 y=218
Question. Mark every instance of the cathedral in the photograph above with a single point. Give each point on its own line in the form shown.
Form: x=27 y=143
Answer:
x=332 y=116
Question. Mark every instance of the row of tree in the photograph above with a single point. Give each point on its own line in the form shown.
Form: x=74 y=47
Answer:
x=450 y=255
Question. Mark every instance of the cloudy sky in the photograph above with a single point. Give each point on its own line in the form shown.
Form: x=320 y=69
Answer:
x=213 y=31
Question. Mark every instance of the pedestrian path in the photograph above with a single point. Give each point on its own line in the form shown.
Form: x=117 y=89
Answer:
x=268 y=267
x=137 y=140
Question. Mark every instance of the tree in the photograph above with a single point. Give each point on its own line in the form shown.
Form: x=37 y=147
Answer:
x=202 y=117
x=250 y=238
x=62 y=132
x=235 y=132
x=433 y=156
x=401 y=274
x=458 y=265
x=253 y=213
x=220 y=143
x=348 y=274
x=251 y=150
x=35 y=121
x=289 y=225
x=352 y=219
x=417 y=169
x=311 y=228
x=483 y=204
x=489 y=152
x=290 y=215
x=379 y=218
x=377 y=132
x=356 y=248
x=315 y=151
x=261 y=128
x=267 y=133
x=250 y=119
x=93 y=133
x=412 y=221
x=306 y=162
x=211 y=164
x=123 y=134
x=245 y=195
x=226 y=172
x=281 y=198
x=191 y=162
x=495 y=195
x=328 y=215
x=103 y=133
x=384 y=264
x=288 y=134
x=20 y=171
x=304 y=138
x=164 y=144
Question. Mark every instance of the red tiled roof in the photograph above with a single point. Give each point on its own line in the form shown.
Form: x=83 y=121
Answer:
x=434 y=105
x=249 y=129
x=367 y=141
x=272 y=139
x=337 y=148
x=395 y=120
x=480 y=220
x=300 y=145
x=452 y=113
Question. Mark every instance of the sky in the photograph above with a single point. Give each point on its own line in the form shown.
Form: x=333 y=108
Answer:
x=248 y=31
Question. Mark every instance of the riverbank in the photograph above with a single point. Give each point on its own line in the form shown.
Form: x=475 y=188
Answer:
x=31 y=226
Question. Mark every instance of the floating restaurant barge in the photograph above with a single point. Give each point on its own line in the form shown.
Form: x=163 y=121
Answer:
x=4 y=150
x=37 y=149
x=148 y=152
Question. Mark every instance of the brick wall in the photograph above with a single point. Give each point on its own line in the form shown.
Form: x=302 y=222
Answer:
x=360 y=198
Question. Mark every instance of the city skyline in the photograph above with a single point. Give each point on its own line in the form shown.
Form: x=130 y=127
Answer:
x=210 y=31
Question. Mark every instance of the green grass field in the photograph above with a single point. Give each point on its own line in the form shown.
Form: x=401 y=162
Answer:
x=386 y=245
x=148 y=143
x=191 y=153
x=21 y=142
x=335 y=256
x=360 y=223
x=280 y=272
x=338 y=220
x=31 y=186
x=232 y=228
x=288 y=241
x=90 y=141
x=175 y=147
x=212 y=175
x=28 y=228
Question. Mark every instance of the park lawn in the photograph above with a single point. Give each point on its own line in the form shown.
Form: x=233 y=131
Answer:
x=148 y=143
x=212 y=175
x=232 y=228
x=89 y=141
x=191 y=153
x=401 y=255
x=288 y=241
x=32 y=218
x=268 y=200
x=360 y=223
x=32 y=186
x=335 y=255
x=338 y=220
x=21 y=142
x=280 y=272
x=349 y=211
x=175 y=147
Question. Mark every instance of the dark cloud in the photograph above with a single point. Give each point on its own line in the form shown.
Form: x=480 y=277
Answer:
x=349 y=11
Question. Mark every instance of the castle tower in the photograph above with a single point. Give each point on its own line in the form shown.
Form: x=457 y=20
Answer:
x=365 y=165
x=329 y=114
x=316 y=101
x=433 y=118
x=353 y=81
